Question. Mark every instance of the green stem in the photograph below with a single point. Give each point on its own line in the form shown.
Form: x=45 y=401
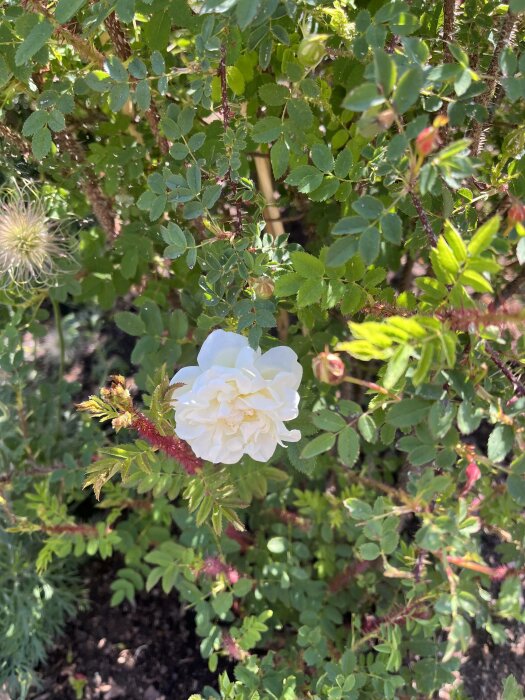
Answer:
x=60 y=332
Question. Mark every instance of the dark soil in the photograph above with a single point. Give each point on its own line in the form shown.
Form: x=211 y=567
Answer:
x=487 y=665
x=144 y=652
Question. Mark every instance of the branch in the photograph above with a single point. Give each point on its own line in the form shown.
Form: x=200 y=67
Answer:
x=506 y=37
x=169 y=444
x=449 y=29
x=88 y=53
x=226 y=116
x=513 y=287
x=123 y=50
x=101 y=205
x=518 y=387
x=423 y=218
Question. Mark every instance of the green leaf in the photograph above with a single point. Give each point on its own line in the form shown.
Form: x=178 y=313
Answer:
x=343 y=163
x=130 y=323
x=273 y=94
x=35 y=40
x=422 y=454
x=359 y=510
x=235 y=80
x=307 y=265
x=118 y=96
x=348 y=446
x=41 y=143
x=322 y=443
x=517 y=6
x=322 y=157
x=363 y=97
x=246 y=11
x=56 y=120
x=277 y=545
x=397 y=366
x=349 y=225
x=35 y=121
x=369 y=244
x=369 y=551
x=367 y=427
x=222 y=603
x=384 y=71
x=407 y=91
x=440 y=418
x=407 y=413
x=143 y=95
x=267 y=129
x=288 y=284
x=500 y=443
x=341 y=251
x=369 y=207
x=392 y=228
x=516 y=488
x=280 y=157
x=484 y=236
x=310 y=292
x=300 y=113
x=329 y=420
x=66 y=9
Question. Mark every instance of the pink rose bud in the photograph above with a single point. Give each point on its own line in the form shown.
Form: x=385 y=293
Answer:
x=329 y=368
x=473 y=473
x=516 y=214
x=427 y=141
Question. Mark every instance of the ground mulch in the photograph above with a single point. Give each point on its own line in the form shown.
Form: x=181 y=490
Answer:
x=148 y=651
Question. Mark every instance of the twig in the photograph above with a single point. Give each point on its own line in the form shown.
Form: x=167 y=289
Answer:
x=518 y=387
x=101 y=205
x=449 y=21
x=169 y=444
x=506 y=37
x=513 y=287
x=226 y=116
x=123 y=50
x=88 y=53
x=423 y=218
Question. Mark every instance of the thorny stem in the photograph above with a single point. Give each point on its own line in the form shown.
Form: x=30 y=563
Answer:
x=60 y=333
x=449 y=19
x=226 y=115
x=423 y=217
x=172 y=446
x=511 y=288
x=518 y=387
x=506 y=38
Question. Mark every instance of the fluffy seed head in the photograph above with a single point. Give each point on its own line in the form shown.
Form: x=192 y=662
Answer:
x=31 y=247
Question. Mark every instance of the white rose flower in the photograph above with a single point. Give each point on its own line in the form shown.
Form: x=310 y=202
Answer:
x=236 y=400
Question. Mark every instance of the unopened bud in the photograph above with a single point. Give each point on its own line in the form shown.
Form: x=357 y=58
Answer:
x=263 y=286
x=329 y=368
x=516 y=214
x=385 y=119
x=473 y=474
x=427 y=141
x=311 y=50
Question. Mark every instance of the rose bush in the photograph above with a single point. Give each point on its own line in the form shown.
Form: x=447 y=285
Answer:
x=341 y=185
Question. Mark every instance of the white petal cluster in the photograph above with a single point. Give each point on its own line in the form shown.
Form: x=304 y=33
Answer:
x=236 y=400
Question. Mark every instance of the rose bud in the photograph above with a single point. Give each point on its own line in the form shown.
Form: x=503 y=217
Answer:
x=427 y=141
x=329 y=368
x=516 y=213
x=311 y=50
x=473 y=473
x=262 y=286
